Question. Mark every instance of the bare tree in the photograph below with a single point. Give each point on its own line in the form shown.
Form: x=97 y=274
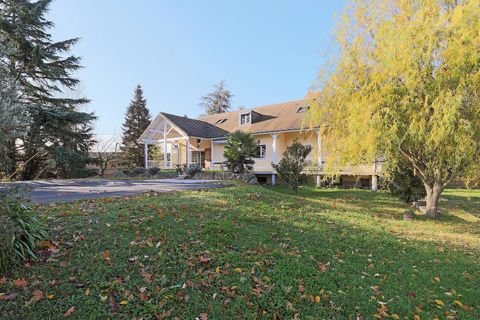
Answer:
x=217 y=101
x=106 y=151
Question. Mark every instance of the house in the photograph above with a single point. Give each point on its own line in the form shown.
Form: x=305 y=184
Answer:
x=201 y=141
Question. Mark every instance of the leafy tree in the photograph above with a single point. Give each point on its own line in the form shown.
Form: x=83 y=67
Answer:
x=137 y=119
x=405 y=87
x=291 y=165
x=239 y=151
x=217 y=101
x=57 y=136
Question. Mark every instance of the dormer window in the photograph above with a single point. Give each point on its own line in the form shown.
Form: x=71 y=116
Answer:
x=303 y=109
x=245 y=118
x=220 y=121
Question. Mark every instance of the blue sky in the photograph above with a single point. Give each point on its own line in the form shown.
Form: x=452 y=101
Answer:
x=266 y=51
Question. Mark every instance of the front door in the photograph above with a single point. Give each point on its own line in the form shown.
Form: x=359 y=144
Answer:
x=198 y=158
x=208 y=156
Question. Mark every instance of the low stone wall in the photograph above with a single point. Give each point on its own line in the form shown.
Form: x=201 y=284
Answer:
x=222 y=175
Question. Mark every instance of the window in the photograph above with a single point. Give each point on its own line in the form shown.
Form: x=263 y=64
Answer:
x=220 y=121
x=303 y=109
x=261 y=151
x=245 y=118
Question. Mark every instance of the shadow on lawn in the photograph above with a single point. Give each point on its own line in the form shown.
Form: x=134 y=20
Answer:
x=380 y=205
x=362 y=205
x=398 y=267
x=276 y=242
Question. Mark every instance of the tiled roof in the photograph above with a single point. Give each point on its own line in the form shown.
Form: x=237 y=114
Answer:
x=275 y=117
x=264 y=119
x=195 y=128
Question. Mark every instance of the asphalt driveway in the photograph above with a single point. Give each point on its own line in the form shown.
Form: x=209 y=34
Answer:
x=69 y=190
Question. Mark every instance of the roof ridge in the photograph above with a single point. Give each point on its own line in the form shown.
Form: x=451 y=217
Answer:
x=252 y=109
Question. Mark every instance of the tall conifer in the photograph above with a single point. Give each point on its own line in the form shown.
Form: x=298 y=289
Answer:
x=58 y=135
x=137 y=119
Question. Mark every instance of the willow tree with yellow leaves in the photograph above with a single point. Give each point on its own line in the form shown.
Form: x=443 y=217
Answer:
x=405 y=86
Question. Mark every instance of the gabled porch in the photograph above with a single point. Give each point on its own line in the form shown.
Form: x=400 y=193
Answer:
x=178 y=148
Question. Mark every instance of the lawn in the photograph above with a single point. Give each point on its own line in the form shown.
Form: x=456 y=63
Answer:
x=252 y=252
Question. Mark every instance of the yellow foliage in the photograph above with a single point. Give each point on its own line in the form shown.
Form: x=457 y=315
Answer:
x=405 y=86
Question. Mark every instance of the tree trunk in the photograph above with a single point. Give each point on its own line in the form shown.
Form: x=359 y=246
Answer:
x=433 y=196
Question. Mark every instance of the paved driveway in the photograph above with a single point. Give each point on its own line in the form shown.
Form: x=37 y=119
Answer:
x=69 y=190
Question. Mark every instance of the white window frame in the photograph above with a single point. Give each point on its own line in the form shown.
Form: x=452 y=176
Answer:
x=249 y=118
x=260 y=154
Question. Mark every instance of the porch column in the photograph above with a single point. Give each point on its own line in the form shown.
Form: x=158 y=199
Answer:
x=274 y=155
x=146 y=154
x=165 y=162
x=189 y=156
x=211 y=153
x=374 y=178
x=319 y=158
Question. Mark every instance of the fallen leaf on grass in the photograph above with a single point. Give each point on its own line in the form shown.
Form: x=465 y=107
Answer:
x=21 y=283
x=7 y=296
x=37 y=296
x=439 y=302
x=463 y=306
x=3 y=280
x=69 y=312
x=113 y=305
x=323 y=266
x=147 y=277
x=204 y=259
x=106 y=256
x=46 y=245
x=123 y=302
x=50 y=297
x=203 y=316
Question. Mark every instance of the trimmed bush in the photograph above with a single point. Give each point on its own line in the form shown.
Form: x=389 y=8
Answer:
x=126 y=172
x=20 y=229
x=291 y=165
x=138 y=171
x=153 y=171
x=190 y=172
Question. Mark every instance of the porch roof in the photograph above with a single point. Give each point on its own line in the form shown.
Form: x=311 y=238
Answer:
x=177 y=127
x=196 y=128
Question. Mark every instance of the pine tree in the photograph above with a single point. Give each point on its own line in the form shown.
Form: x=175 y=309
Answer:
x=217 y=101
x=58 y=135
x=12 y=119
x=137 y=119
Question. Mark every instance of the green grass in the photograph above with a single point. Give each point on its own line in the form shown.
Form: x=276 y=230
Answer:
x=255 y=252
